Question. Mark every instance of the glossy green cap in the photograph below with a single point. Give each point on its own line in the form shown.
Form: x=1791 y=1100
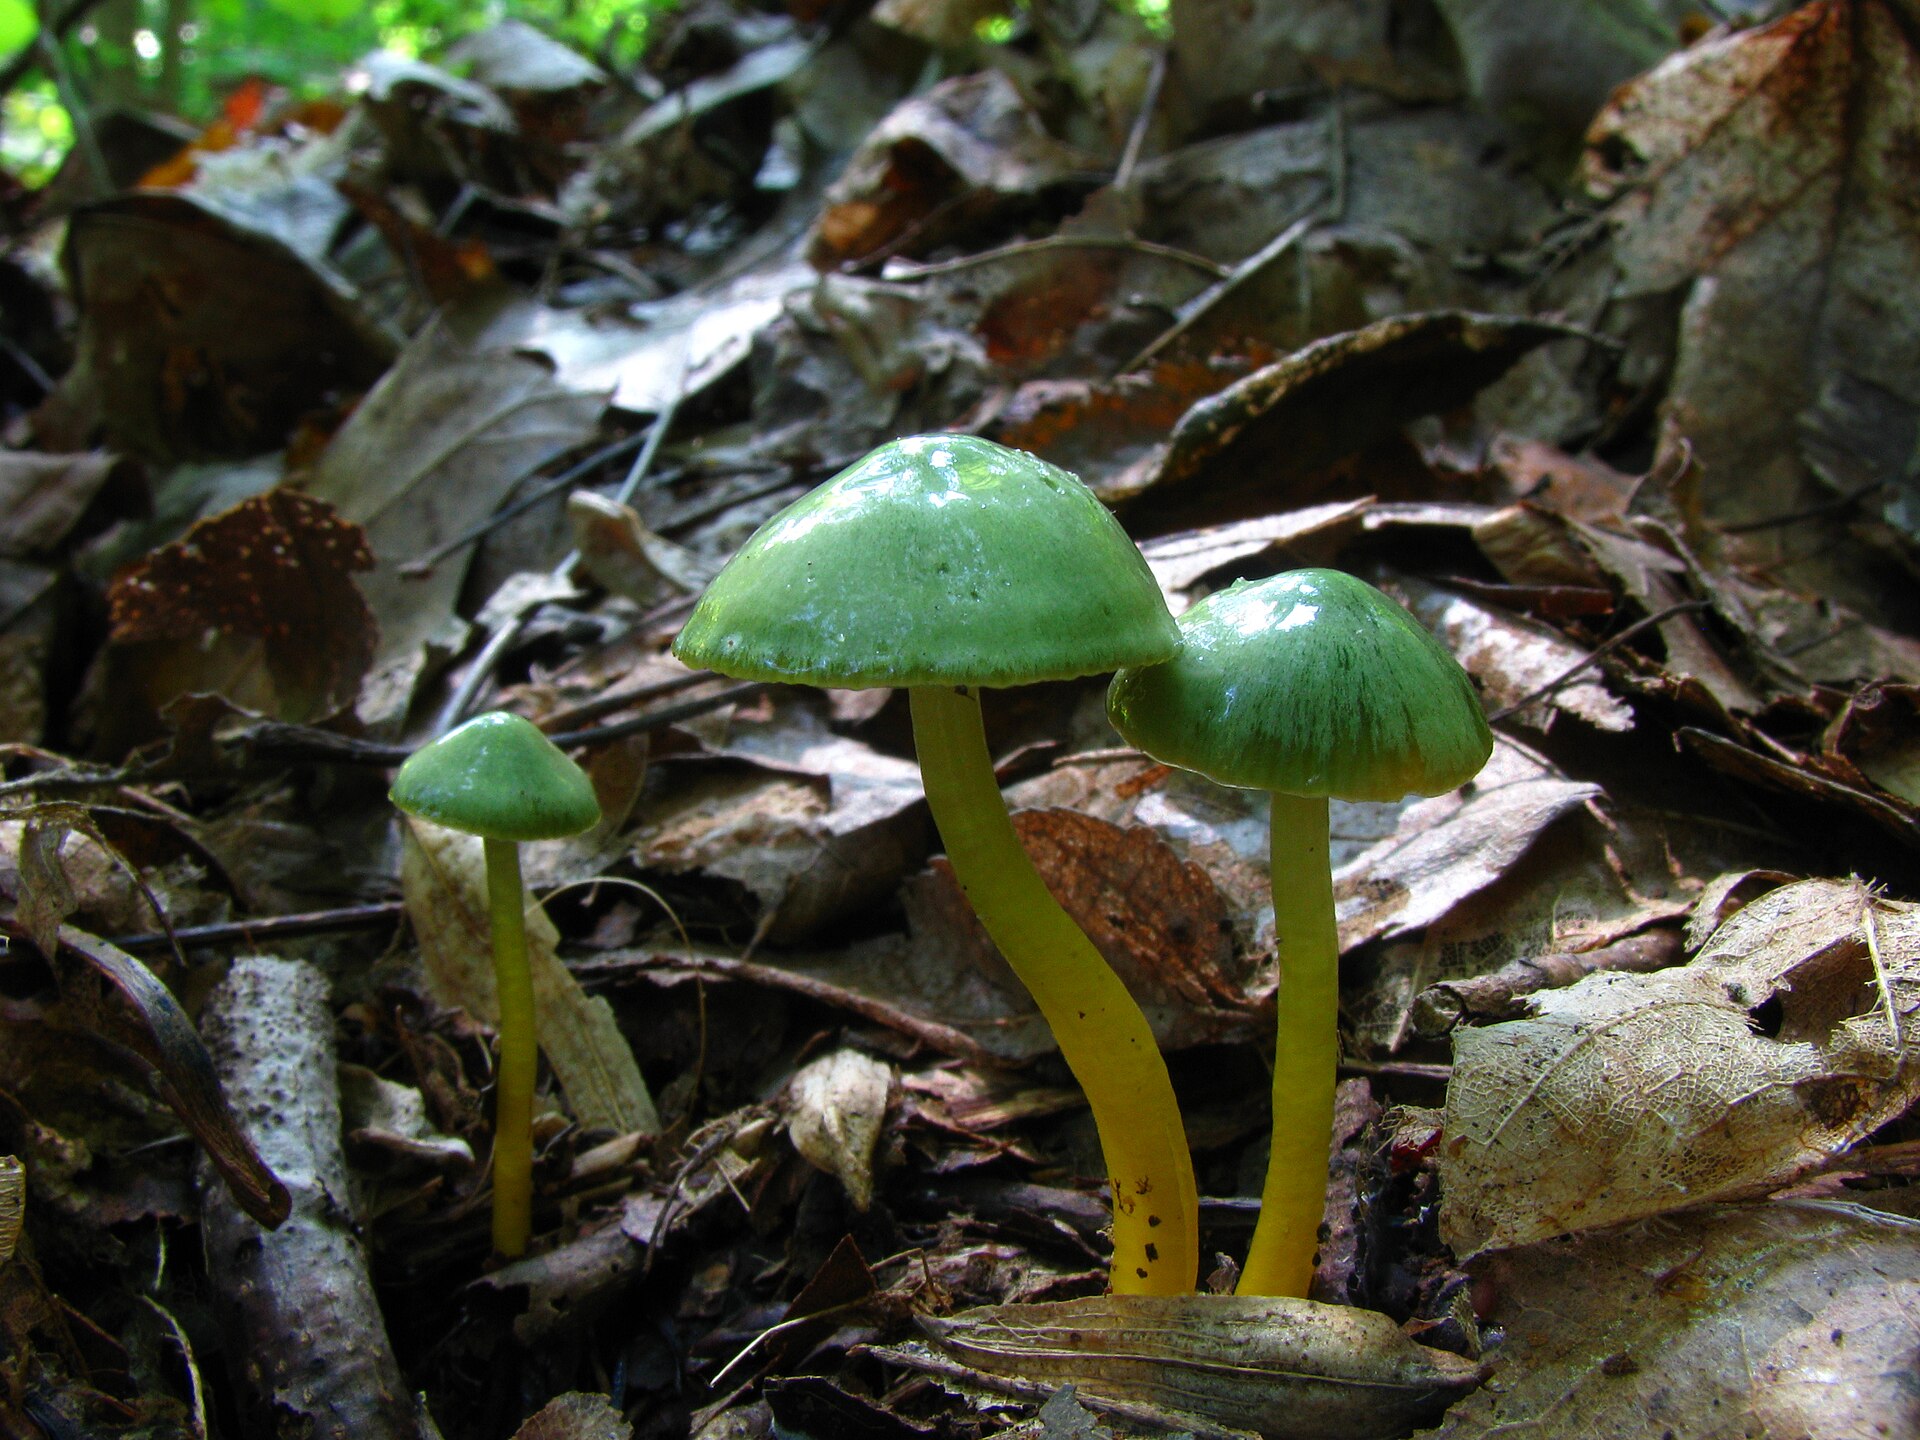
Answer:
x=1308 y=683
x=937 y=560
x=497 y=776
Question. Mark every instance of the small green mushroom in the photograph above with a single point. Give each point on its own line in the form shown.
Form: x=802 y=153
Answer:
x=944 y=563
x=499 y=778
x=1308 y=685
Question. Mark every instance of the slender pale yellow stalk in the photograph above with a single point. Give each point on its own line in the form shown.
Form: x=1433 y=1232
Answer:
x=1100 y=1030
x=519 y=1053
x=1306 y=1052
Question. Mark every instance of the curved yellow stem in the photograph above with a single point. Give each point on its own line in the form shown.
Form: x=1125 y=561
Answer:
x=1100 y=1030
x=1294 y=1198
x=519 y=1053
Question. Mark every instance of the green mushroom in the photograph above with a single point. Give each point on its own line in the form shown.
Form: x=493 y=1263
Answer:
x=499 y=778
x=1308 y=685
x=944 y=563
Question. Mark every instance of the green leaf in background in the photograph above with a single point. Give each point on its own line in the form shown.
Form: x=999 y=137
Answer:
x=17 y=25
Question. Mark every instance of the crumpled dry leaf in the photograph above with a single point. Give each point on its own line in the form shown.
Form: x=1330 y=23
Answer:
x=1785 y=1040
x=1276 y=435
x=1156 y=919
x=941 y=162
x=513 y=55
x=835 y=1108
x=443 y=879
x=818 y=826
x=388 y=1116
x=1446 y=849
x=1547 y=72
x=1513 y=658
x=1283 y=1369
x=429 y=453
x=1229 y=52
x=1767 y=1322
x=651 y=354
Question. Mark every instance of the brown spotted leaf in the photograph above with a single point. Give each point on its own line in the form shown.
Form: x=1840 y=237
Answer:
x=276 y=569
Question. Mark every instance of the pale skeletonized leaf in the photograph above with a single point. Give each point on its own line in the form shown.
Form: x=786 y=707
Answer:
x=443 y=879
x=1786 y=1040
x=13 y=1205
x=835 y=1108
x=1766 y=1322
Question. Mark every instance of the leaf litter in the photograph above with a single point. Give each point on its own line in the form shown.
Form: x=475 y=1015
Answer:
x=1594 y=362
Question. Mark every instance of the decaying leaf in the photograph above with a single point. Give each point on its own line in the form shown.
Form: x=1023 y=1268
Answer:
x=199 y=337
x=1275 y=435
x=1768 y=170
x=1788 y=1038
x=428 y=454
x=46 y=496
x=1282 y=1369
x=13 y=1205
x=942 y=161
x=273 y=578
x=575 y=1416
x=835 y=1106
x=1448 y=848
x=443 y=878
x=154 y=1027
x=1776 y=1321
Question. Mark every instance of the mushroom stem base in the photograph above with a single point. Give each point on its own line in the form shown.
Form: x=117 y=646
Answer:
x=1306 y=1052
x=1098 y=1025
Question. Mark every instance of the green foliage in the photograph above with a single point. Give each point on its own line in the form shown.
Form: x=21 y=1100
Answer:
x=17 y=24
x=301 y=45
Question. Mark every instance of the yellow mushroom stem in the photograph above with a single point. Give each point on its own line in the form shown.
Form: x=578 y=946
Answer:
x=519 y=1053
x=1306 y=1052
x=1101 y=1033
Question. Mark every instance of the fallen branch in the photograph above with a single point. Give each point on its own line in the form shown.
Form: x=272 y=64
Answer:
x=298 y=1312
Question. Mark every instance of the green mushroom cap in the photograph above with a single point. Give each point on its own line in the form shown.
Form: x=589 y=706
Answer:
x=1309 y=683
x=936 y=560
x=497 y=777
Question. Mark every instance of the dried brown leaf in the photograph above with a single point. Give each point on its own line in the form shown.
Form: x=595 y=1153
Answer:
x=1768 y=169
x=1775 y=1322
x=575 y=1416
x=148 y=1021
x=1788 y=1038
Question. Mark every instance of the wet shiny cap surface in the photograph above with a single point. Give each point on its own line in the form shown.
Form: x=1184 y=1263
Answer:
x=497 y=776
x=936 y=560
x=1308 y=683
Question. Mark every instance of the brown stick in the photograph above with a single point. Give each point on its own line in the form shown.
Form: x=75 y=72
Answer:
x=297 y=1307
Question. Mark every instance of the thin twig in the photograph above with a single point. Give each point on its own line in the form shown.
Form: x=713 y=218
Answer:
x=661 y=717
x=503 y=639
x=914 y=270
x=1142 y=122
x=424 y=564
x=1593 y=657
x=1202 y=304
x=266 y=928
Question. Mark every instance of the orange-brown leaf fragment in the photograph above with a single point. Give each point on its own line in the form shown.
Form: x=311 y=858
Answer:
x=276 y=568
